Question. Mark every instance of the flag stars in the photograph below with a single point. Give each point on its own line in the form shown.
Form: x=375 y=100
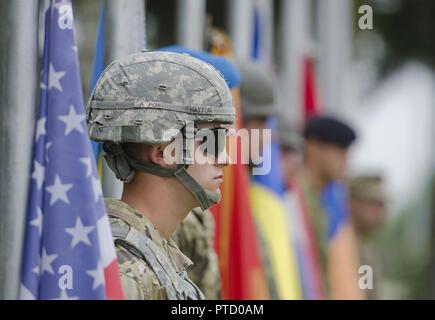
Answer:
x=37 y=268
x=40 y=128
x=46 y=261
x=58 y=191
x=47 y=146
x=96 y=187
x=98 y=276
x=79 y=233
x=73 y=121
x=54 y=78
x=38 y=173
x=37 y=222
x=87 y=162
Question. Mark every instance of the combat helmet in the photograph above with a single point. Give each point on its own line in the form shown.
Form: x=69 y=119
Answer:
x=150 y=97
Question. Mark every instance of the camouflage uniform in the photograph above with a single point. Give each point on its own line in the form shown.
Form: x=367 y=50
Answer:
x=369 y=188
x=194 y=237
x=153 y=98
x=139 y=280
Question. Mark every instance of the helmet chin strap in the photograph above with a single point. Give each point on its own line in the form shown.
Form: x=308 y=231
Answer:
x=206 y=199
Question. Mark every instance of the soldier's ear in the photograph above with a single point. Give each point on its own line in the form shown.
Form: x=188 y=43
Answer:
x=156 y=156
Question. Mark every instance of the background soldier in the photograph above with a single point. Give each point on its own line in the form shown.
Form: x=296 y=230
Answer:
x=367 y=206
x=323 y=204
x=291 y=144
x=142 y=105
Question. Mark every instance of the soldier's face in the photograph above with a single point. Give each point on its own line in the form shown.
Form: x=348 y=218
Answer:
x=334 y=160
x=367 y=214
x=329 y=160
x=209 y=174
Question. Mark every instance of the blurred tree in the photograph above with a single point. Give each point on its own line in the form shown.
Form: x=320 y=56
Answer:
x=431 y=267
x=407 y=28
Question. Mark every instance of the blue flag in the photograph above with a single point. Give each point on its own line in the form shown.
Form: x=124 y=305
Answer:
x=68 y=250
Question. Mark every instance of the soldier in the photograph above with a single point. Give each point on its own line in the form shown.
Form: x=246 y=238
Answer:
x=259 y=105
x=144 y=105
x=321 y=201
x=368 y=211
x=291 y=151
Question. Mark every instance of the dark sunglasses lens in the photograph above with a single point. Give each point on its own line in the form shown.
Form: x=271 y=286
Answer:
x=220 y=141
x=213 y=141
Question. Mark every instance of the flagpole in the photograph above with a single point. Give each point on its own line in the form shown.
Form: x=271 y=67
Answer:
x=295 y=41
x=125 y=35
x=240 y=22
x=267 y=33
x=18 y=28
x=335 y=51
x=190 y=32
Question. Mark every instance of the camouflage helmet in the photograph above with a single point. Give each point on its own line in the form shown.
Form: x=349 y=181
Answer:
x=256 y=91
x=288 y=136
x=150 y=97
x=144 y=96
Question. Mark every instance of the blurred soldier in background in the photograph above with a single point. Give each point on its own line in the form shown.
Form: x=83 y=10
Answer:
x=291 y=144
x=195 y=235
x=257 y=103
x=368 y=212
x=142 y=105
x=259 y=110
x=323 y=204
x=257 y=100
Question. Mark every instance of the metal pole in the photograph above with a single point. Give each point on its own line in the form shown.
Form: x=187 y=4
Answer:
x=125 y=35
x=295 y=42
x=240 y=23
x=191 y=23
x=335 y=50
x=18 y=75
x=266 y=7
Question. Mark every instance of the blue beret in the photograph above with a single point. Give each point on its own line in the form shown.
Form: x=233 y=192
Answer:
x=229 y=71
x=329 y=130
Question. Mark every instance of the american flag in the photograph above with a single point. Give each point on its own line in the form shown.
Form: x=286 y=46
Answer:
x=68 y=248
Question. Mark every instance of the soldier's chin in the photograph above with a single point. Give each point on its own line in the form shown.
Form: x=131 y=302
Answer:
x=217 y=190
x=214 y=196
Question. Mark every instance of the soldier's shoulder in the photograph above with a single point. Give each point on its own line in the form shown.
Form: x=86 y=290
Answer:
x=138 y=279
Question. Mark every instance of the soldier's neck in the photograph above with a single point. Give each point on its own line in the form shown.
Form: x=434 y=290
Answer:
x=313 y=177
x=165 y=202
